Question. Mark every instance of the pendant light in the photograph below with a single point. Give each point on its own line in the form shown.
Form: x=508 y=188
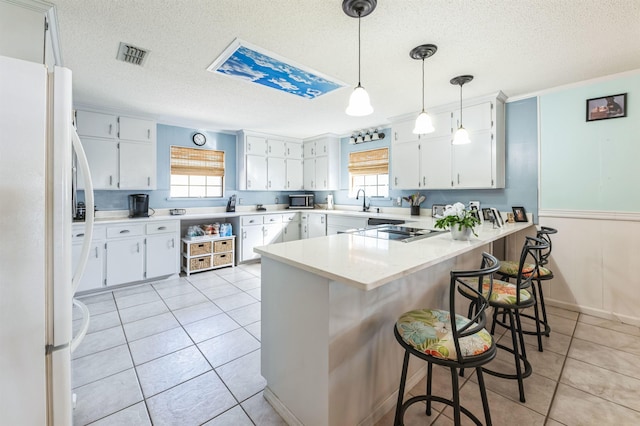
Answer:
x=423 y=122
x=359 y=102
x=462 y=136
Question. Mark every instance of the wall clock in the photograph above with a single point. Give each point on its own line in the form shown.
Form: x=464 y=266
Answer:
x=199 y=139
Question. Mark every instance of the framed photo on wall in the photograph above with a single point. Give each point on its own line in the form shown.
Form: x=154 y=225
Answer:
x=612 y=106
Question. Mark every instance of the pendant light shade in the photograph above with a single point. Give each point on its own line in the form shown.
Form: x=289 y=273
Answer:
x=359 y=102
x=424 y=124
x=462 y=135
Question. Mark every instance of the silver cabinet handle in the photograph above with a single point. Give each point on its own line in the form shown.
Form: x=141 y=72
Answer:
x=110 y=180
x=148 y=133
x=125 y=231
x=96 y=252
x=396 y=180
x=458 y=178
x=313 y=151
x=424 y=180
x=161 y=228
x=80 y=235
x=272 y=220
x=173 y=243
x=288 y=184
x=248 y=146
x=395 y=135
x=269 y=151
x=110 y=128
x=321 y=219
x=248 y=184
x=138 y=247
x=269 y=184
x=251 y=221
x=325 y=149
x=244 y=235
x=312 y=183
x=149 y=181
x=288 y=151
x=325 y=183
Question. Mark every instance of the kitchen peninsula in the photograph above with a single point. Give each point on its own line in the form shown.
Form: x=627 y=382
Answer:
x=328 y=309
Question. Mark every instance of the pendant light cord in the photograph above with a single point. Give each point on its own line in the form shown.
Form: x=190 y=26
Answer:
x=359 y=58
x=423 y=84
x=460 y=106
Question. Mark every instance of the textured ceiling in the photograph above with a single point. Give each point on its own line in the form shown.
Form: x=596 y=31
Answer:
x=516 y=46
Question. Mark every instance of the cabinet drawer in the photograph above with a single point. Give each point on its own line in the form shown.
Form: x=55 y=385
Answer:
x=78 y=234
x=222 y=246
x=124 y=231
x=290 y=217
x=162 y=227
x=252 y=220
x=197 y=263
x=194 y=249
x=222 y=259
x=272 y=218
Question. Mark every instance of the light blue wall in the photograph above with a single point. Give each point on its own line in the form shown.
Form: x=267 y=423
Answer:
x=590 y=165
x=521 y=188
x=521 y=168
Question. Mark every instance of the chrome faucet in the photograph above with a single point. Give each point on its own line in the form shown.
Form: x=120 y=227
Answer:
x=365 y=208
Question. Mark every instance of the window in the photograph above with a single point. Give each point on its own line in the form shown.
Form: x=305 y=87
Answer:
x=196 y=173
x=369 y=170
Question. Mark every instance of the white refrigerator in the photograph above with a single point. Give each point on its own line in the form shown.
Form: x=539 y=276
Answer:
x=36 y=280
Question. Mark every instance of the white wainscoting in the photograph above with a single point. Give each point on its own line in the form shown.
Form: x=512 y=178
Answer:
x=596 y=263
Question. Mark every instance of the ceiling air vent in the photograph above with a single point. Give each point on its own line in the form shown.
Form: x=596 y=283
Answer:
x=131 y=54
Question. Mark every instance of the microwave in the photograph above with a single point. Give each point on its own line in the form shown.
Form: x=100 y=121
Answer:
x=301 y=201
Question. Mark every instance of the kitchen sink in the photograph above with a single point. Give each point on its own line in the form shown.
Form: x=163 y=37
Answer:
x=403 y=234
x=380 y=221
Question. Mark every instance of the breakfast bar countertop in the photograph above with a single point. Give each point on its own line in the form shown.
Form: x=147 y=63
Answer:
x=367 y=263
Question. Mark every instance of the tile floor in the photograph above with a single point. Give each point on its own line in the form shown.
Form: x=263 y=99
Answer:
x=186 y=351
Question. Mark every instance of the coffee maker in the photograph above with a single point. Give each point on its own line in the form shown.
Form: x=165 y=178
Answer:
x=139 y=205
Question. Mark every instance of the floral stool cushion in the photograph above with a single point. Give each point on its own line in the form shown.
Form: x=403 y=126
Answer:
x=544 y=272
x=510 y=267
x=428 y=331
x=503 y=293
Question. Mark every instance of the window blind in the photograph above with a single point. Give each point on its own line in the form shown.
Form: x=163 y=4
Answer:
x=196 y=162
x=371 y=162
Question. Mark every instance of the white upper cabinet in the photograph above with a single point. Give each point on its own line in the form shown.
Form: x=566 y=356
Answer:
x=118 y=162
x=96 y=124
x=262 y=162
x=134 y=129
x=322 y=163
x=437 y=163
x=295 y=175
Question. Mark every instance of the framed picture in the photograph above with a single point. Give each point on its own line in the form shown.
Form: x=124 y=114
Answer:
x=487 y=214
x=437 y=210
x=612 y=106
x=497 y=217
x=474 y=211
x=519 y=214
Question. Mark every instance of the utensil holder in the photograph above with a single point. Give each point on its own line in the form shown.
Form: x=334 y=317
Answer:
x=415 y=210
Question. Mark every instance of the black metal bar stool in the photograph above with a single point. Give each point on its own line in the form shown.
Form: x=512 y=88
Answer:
x=509 y=269
x=508 y=299
x=455 y=341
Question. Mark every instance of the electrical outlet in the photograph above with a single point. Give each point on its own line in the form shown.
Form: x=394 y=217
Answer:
x=399 y=201
x=277 y=200
x=240 y=200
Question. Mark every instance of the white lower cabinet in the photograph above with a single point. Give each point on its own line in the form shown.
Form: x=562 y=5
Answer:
x=93 y=276
x=290 y=227
x=252 y=235
x=313 y=225
x=161 y=255
x=261 y=230
x=337 y=224
x=125 y=260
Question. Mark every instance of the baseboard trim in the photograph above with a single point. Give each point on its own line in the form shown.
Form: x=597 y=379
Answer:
x=280 y=408
x=600 y=313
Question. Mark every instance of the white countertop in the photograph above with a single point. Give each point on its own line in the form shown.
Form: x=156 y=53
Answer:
x=367 y=263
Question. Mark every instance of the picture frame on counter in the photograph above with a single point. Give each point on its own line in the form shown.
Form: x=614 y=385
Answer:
x=519 y=214
x=437 y=210
x=487 y=214
x=476 y=213
x=605 y=107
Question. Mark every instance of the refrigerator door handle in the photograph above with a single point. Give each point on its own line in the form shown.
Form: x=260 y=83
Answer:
x=83 y=329
x=89 y=214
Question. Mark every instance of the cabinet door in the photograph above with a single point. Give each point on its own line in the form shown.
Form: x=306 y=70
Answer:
x=102 y=155
x=291 y=231
x=134 y=129
x=125 y=261
x=472 y=163
x=93 y=276
x=294 y=150
x=256 y=145
x=322 y=173
x=276 y=174
x=295 y=174
x=276 y=148
x=256 y=173
x=405 y=165
x=252 y=236
x=162 y=255
x=403 y=132
x=97 y=125
x=309 y=173
x=435 y=163
x=317 y=225
x=309 y=149
x=137 y=165
x=442 y=124
x=272 y=233
x=474 y=117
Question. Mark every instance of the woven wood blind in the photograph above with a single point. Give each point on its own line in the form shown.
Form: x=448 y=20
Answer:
x=196 y=162
x=372 y=162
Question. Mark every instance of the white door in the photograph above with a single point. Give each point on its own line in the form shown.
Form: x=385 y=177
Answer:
x=252 y=236
x=291 y=231
x=134 y=129
x=276 y=148
x=162 y=255
x=309 y=150
x=435 y=163
x=309 y=173
x=472 y=163
x=256 y=173
x=102 y=155
x=256 y=145
x=93 y=276
x=137 y=165
x=322 y=173
x=317 y=226
x=94 y=124
x=295 y=174
x=125 y=261
x=294 y=150
x=403 y=132
x=276 y=174
x=405 y=165
x=272 y=233
x=474 y=117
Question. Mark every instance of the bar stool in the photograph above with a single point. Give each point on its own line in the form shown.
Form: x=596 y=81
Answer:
x=508 y=299
x=509 y=270
x=446 y=338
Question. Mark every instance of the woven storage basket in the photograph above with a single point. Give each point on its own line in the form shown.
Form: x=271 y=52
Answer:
x=220 y=246
x=198 y=263
x=222 y=259
x=200 y=248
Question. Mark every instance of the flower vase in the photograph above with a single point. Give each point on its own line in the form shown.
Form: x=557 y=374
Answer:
x=460 y=234
x=415 y=210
